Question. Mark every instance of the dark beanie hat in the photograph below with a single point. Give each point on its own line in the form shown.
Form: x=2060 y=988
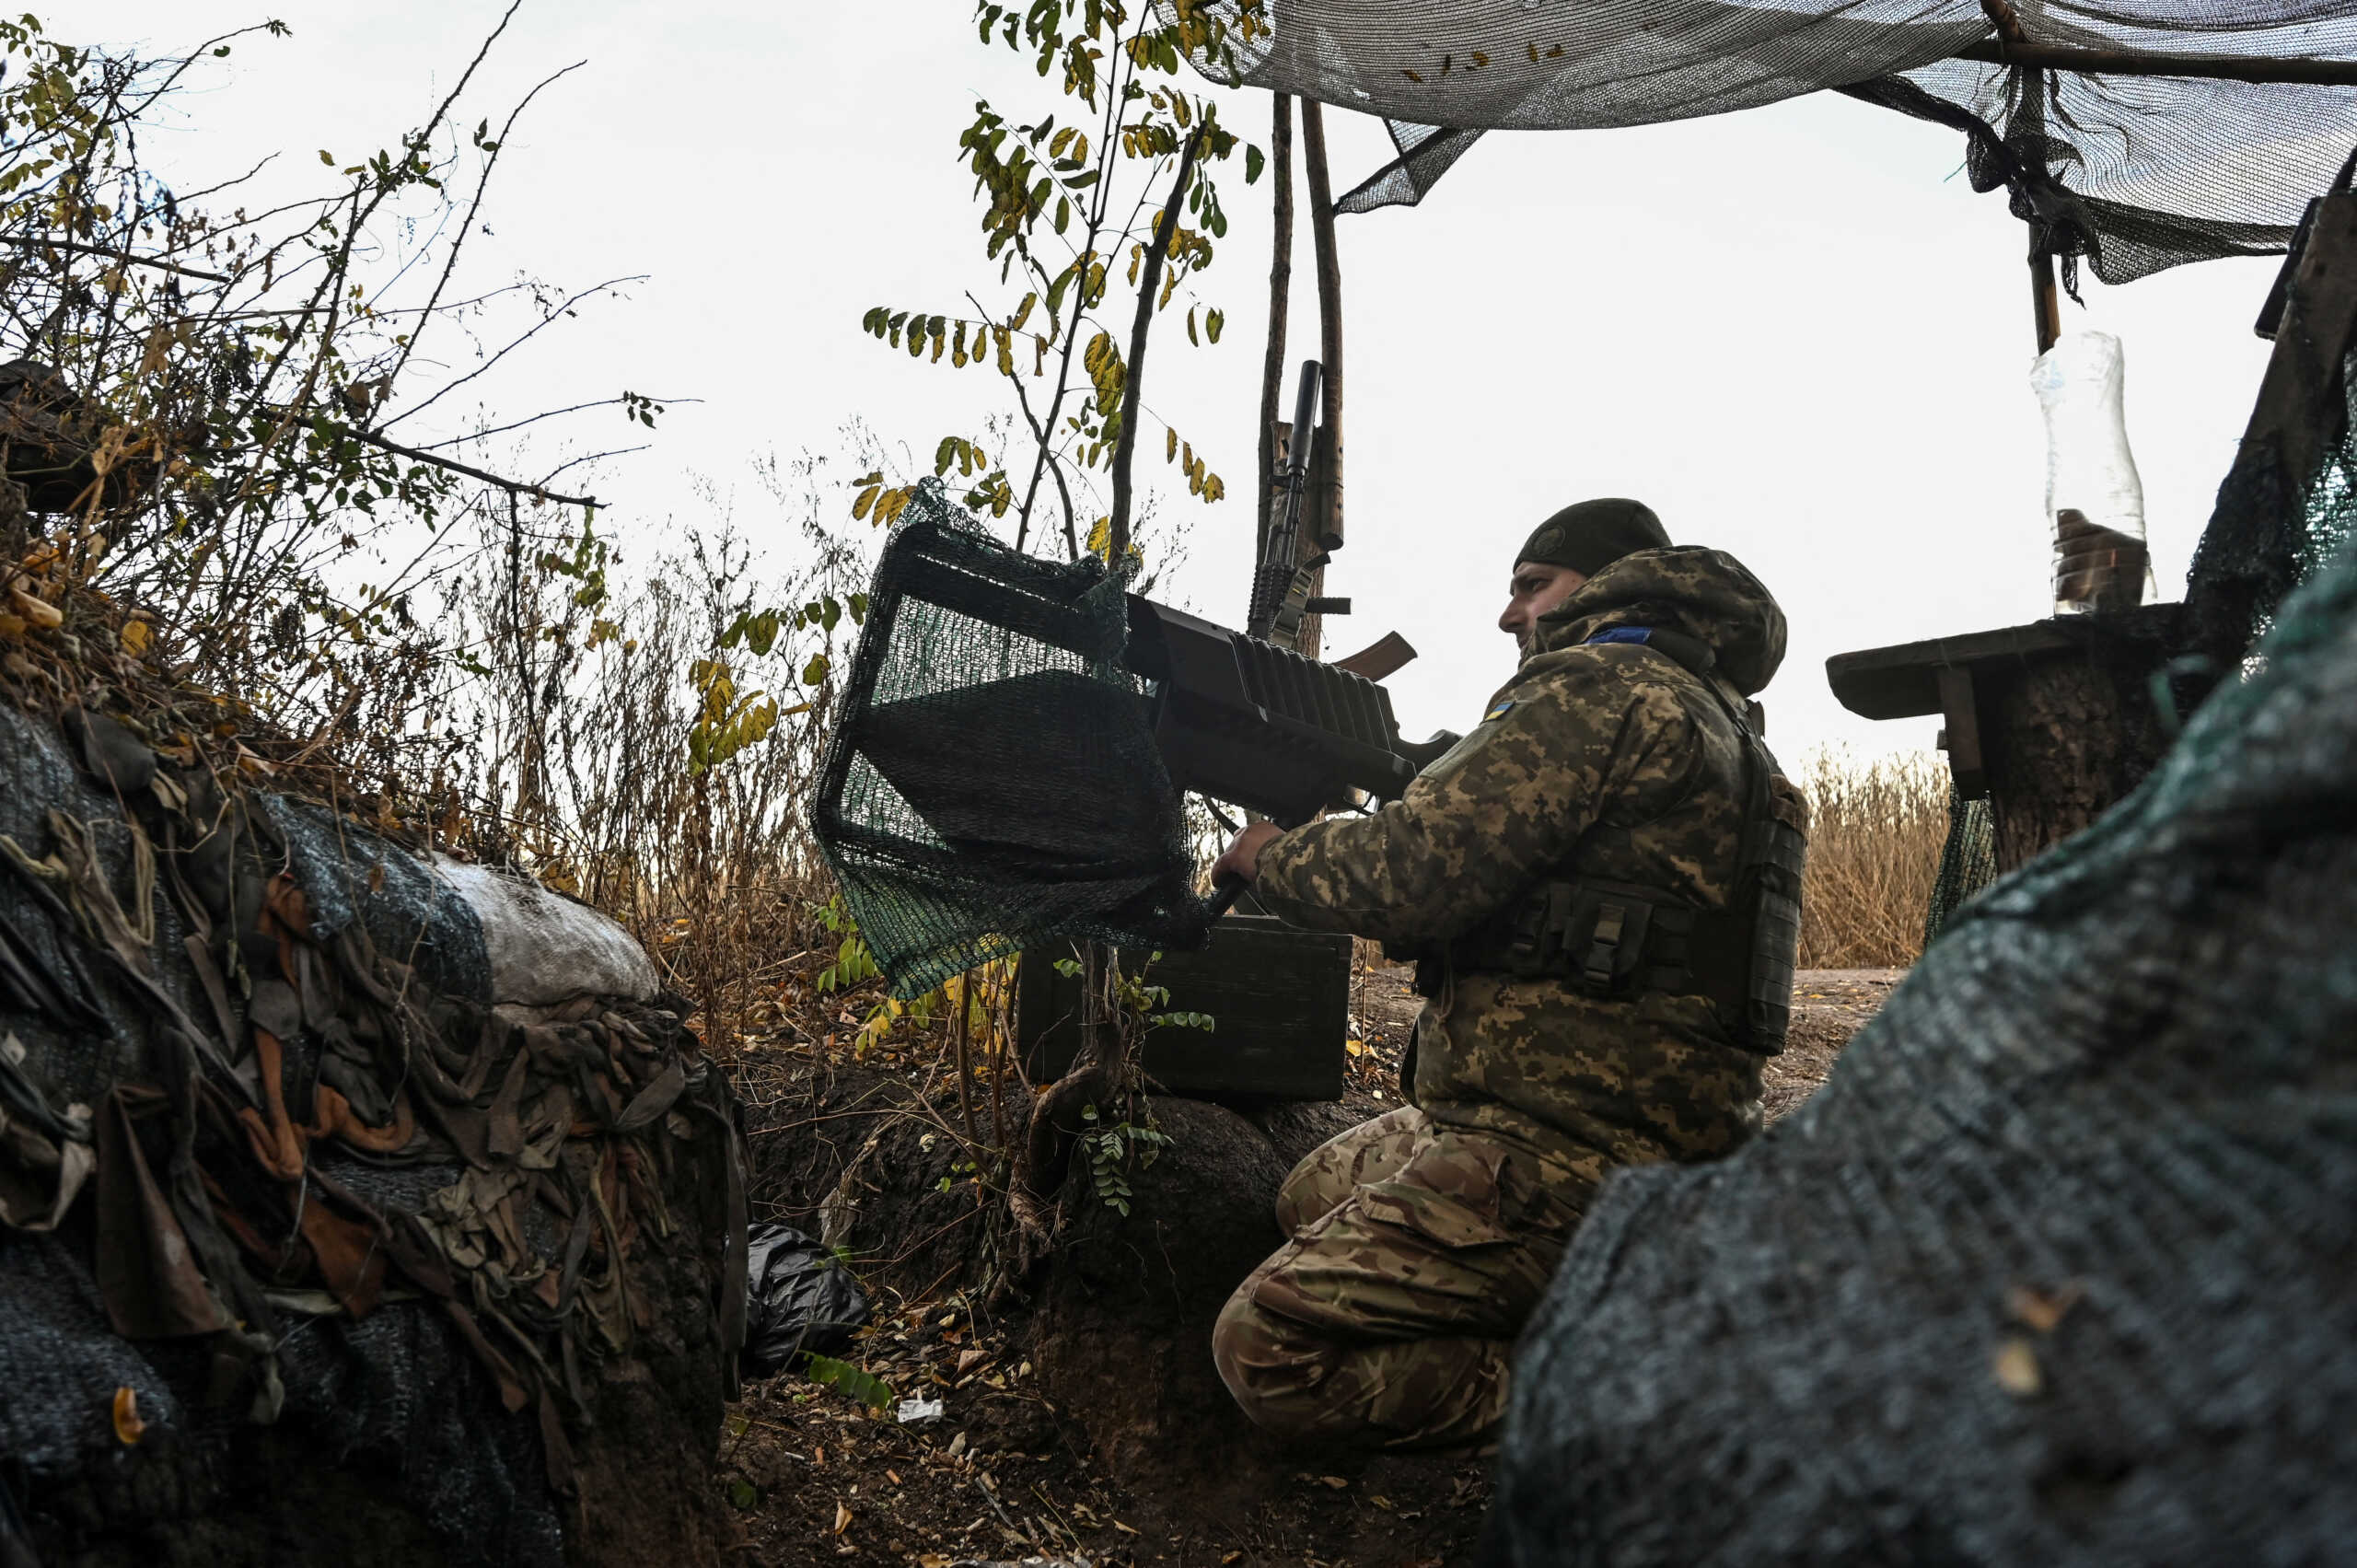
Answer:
x=1591 y=535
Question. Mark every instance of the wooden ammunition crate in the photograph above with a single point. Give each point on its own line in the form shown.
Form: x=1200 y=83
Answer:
x=1279 y=999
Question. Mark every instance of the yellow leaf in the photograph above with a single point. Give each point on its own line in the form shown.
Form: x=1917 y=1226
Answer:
x=2017 y=1370
x=128 y=1428
x=134 y=637
x=40 y=612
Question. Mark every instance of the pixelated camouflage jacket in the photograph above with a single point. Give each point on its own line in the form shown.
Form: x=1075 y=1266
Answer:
x=1599 y=760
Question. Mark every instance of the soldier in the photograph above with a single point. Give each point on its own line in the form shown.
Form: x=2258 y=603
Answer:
x=1571 y=877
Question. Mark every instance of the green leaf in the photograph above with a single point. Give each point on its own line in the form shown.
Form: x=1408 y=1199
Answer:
x=816 y=670
x=857 y=1382
x=1253 y=162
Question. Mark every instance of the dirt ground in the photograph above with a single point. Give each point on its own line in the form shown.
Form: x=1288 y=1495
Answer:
x=1000 y=1474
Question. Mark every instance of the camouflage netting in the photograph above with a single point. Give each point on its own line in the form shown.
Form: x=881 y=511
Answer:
x=2135 y=174
x=2061 y=1266
x=320 y=1239
x=992 y=781
x=2260 y=544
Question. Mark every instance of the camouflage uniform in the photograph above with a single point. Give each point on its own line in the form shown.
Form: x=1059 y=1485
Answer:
x=1423 y=1239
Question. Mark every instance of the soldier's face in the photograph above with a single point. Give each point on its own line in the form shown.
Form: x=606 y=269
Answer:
x=1535 y=589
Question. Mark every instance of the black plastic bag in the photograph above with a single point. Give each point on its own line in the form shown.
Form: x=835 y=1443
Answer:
x=798 y=1297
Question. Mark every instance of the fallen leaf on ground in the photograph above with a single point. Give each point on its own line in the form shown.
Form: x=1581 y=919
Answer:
x=1123 y=1529
x=843 y=1519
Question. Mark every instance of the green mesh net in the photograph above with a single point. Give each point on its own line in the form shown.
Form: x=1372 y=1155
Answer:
x=993 y=783
x=1968 y=862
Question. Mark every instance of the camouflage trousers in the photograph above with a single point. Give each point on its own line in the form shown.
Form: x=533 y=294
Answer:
x=1418 y=1253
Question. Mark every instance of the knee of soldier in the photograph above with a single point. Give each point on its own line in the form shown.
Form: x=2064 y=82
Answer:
x=1273 y=1368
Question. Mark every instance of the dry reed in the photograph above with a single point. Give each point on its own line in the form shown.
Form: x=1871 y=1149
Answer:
x=1877 y=825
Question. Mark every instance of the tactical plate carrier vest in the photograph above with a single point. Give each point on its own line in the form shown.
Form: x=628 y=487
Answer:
x=1611 y=939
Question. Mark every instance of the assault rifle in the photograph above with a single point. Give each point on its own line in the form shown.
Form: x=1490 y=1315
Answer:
x=1280 y=582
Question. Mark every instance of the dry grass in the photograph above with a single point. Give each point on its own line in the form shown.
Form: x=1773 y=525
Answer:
x=1877 y=830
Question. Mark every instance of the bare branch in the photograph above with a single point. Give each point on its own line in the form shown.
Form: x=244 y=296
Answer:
x=46 y=243
x=512 y=486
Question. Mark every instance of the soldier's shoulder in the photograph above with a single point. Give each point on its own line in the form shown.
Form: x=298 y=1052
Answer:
x=1601 y=671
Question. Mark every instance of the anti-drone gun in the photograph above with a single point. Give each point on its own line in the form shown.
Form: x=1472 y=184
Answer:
x=1260 y=726
x=1015 y=736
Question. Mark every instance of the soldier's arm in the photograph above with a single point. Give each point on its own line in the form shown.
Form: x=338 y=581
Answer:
x=1489 y=818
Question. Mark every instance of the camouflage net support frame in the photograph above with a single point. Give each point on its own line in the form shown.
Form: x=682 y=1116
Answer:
x=993 y=782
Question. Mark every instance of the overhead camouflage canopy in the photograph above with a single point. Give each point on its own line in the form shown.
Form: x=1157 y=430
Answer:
x=2135 y=172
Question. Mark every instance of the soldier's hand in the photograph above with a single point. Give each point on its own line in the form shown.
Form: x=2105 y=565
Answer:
x=1242 y=856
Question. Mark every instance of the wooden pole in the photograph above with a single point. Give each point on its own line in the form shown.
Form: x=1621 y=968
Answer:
x=1272 y=367
x=2045 y=299
x=2128 y=63
x=1328 y=534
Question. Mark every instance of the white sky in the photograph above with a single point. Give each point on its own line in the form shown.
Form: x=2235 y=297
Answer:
x=1797 y=332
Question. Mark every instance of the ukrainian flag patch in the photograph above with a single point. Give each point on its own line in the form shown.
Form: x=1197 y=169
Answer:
x=1501 y=711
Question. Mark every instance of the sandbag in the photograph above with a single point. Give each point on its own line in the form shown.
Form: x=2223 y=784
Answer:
x=2061 y=1266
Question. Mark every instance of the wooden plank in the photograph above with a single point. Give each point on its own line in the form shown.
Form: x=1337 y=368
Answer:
x=1902 y=681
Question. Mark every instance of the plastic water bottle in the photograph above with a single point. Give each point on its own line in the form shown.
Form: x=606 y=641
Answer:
x=2092 y=491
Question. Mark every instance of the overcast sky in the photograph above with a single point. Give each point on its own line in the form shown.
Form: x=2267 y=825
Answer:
x=1796 y=331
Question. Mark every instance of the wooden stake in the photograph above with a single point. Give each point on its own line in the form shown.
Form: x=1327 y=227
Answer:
x=1272 y=367
x=1328 y=534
